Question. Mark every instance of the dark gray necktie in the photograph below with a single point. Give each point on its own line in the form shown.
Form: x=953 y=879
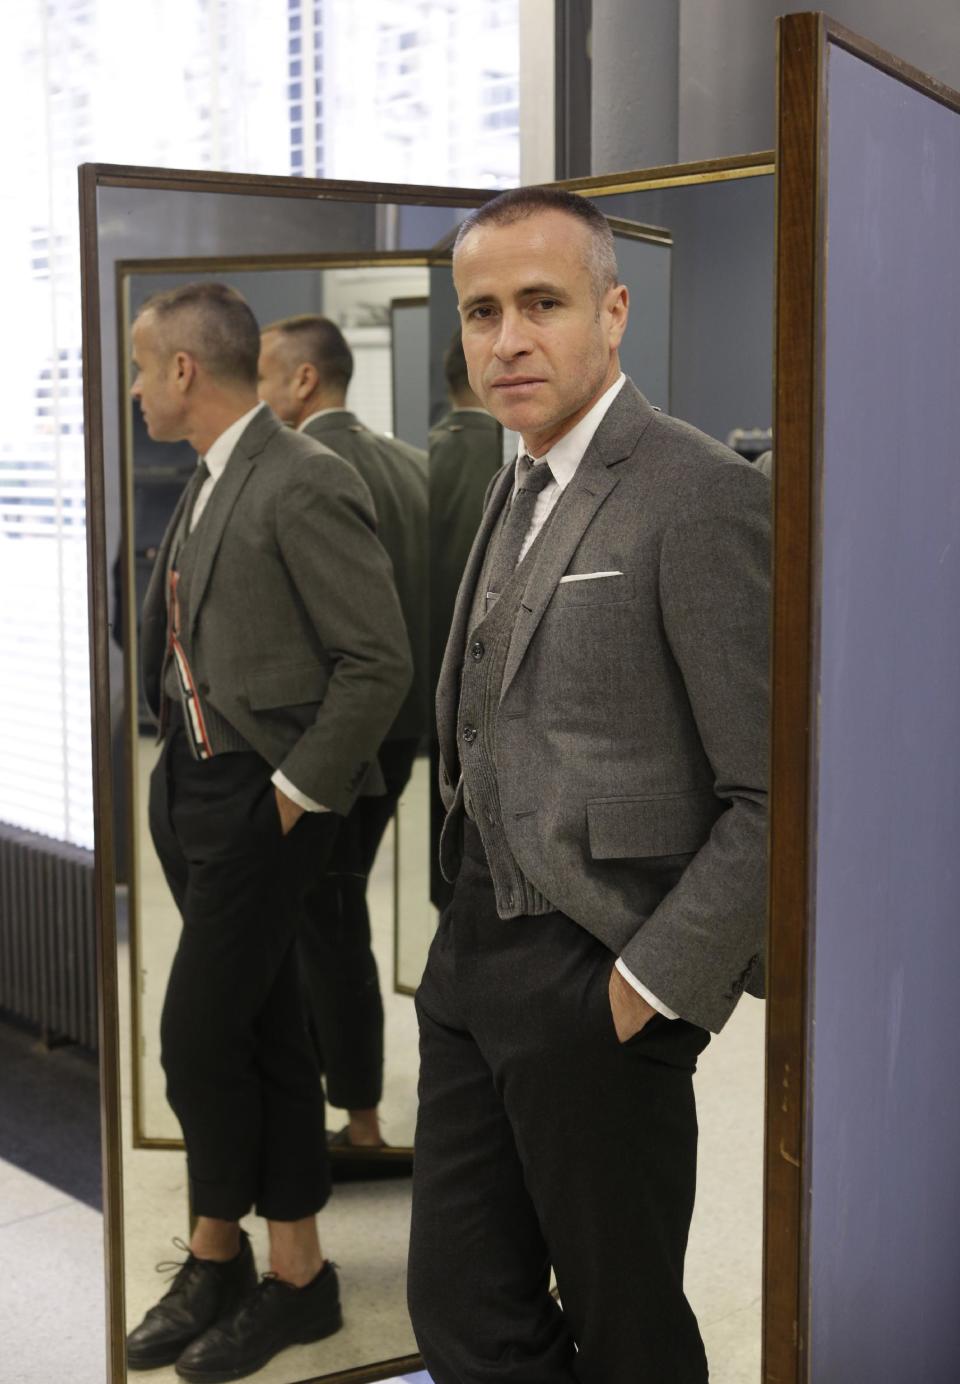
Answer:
x=532 y=477
x=196 y=485
x=189 y=501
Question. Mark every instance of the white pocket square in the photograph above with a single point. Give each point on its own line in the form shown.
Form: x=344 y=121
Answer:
x=589 y=576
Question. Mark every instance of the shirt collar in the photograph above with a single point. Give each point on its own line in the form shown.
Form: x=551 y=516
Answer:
x=219 y=452
x=566 y=455
x=320 y=413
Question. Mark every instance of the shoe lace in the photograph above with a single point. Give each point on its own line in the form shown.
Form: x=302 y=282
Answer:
x=171 y=1267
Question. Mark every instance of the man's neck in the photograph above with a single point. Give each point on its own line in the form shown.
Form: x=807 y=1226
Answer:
x=537 y=445
x=220 y=415
x=318 y=403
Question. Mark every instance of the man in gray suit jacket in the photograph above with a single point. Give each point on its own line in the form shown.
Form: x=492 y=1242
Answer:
x=274 y=656
x=602 y=715
x=306 y=367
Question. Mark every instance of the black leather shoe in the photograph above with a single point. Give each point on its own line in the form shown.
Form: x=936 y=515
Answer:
x=275 y=1315
x=201 y=1292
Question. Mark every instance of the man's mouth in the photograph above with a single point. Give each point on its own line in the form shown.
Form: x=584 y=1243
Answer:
x=508 y=384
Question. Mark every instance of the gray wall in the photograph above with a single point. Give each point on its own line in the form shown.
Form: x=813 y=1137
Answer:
x=645 y=350
x=721 y=356
x=694 y=79
x=635 y=53
x=444 y=321
x=410 y=355
x=885 y=1118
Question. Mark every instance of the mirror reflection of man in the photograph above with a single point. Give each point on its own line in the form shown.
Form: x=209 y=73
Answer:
x=274 y=656
x=602 y=714
x=466 y=451
x=306 y=366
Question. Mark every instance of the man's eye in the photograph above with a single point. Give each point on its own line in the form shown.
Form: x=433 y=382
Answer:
x=547 y=303
x=480 y=312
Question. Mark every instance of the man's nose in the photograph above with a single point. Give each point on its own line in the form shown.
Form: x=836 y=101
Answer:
x=513 y=338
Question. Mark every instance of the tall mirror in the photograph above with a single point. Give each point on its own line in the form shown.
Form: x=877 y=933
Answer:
x=695 y=249
x=380 y=303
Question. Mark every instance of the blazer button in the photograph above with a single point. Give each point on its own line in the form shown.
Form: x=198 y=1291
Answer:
x=477 y=651
x=203 y=688
x=469 y=734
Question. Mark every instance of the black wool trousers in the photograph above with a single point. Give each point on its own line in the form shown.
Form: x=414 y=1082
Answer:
x=341 y=984
x=241 y=1075
x=542 y=1141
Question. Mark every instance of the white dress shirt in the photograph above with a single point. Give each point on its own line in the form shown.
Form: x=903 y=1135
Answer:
x=564 y=457
x=218 y=454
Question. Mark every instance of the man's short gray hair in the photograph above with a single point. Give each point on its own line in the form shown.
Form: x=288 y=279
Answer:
x=520 y=202
x=213 y=323
x=317 y=341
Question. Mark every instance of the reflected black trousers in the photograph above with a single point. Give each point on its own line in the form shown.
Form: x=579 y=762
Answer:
x=339 y=970
x=542 y=1141
x=241 y=1076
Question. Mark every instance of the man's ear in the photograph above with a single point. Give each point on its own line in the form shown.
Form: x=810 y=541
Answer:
x=616 y=306
x=184 y=371
x=306 y=377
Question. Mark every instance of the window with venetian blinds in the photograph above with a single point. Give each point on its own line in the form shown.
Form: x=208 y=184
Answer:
x=217 y=92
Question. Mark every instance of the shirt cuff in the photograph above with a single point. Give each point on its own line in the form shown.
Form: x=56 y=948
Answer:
x=644 y=993
x=281 y=781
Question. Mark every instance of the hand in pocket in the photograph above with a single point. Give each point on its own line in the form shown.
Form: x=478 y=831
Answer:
x=290 y=812
x=629 y=1009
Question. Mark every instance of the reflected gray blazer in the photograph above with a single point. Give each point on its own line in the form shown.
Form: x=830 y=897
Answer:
x=632 y=731
x=296 y=634
x=396 y=476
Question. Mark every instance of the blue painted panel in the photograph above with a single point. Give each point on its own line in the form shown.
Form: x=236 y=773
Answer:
x=885 y=1234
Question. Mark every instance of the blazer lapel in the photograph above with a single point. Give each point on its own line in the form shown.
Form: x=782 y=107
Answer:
x=153 y=616
x=615 y=439
x=225 y=494
x=448 y=689
x=155 y=599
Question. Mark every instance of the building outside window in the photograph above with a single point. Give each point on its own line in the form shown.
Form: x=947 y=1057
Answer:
x=388 y=90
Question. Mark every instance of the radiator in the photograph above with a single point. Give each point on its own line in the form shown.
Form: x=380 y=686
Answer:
x=48 y=949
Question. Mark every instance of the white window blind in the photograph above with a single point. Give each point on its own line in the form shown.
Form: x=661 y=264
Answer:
x=249 y=85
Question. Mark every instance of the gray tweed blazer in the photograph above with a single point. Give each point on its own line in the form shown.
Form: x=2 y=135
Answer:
x=396 y=476
x=632 y=734
x=296 y=633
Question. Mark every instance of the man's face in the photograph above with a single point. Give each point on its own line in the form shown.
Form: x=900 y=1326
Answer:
x=540 y=348
x=276 y=379
x=158 y=386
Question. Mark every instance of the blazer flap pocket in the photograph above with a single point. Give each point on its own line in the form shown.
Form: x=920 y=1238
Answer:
x=672 y=824
x=290 y=684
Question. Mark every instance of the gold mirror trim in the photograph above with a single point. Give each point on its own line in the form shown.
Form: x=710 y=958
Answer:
x=672 y=175
x=635 y=230
x=370 y=1374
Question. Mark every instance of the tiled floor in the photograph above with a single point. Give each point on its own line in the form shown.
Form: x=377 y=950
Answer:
x=53 y=1289
x=51 y=1297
